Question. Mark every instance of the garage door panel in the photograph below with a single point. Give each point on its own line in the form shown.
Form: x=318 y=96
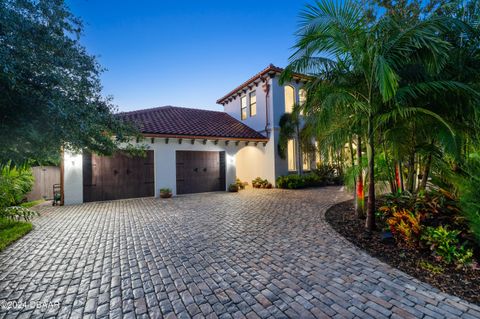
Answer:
x=118 y=176
x=200 y=171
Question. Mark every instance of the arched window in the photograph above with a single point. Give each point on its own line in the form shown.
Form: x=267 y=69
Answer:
x=289 y=98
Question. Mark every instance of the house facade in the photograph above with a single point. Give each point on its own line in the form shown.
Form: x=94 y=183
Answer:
x=193 y=150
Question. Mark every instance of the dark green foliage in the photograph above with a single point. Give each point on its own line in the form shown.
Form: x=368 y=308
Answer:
x=15 y=183
x=322 y=176
x=233 y=188
x=444 y=243
x=469 y=189
x=50 y=91
x=261 y=183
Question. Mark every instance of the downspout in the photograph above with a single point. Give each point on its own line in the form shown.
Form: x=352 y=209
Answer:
x=266 y=89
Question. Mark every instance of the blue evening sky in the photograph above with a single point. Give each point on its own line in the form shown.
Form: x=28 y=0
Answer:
x=184 y=53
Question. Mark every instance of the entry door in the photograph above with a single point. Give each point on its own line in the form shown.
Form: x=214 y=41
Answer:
x=117 y=177
x=199 y=172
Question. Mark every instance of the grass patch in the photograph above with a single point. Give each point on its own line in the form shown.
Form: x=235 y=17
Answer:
x=11 y=230
x=32 y=203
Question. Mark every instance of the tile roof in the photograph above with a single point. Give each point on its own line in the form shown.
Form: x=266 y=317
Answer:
x=172 y=121
x=271 y=69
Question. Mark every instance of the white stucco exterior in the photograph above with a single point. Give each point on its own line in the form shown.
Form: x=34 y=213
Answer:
x=72 y=178
x=265 y=163
x=164 y=163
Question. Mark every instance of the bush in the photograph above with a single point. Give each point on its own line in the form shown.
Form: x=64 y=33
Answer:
x=165 y=190
x=17 y=213
x=15 y=183
x=240 y=184
x=323 y=175
x=233 y=188
x=405 y=227
x=329 y=174
x=469 y=187
x=293 y=181
x=261 y=183
x=445 y=245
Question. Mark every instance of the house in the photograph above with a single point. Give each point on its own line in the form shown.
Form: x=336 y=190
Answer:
x=194 y=150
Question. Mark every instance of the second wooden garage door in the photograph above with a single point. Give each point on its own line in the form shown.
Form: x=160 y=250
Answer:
x=199 y=172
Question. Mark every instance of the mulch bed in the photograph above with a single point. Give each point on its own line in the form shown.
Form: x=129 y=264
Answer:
x=463 y=283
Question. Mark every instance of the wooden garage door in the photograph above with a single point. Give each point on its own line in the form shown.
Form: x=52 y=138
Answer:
x=118 y=176
x=199 y=172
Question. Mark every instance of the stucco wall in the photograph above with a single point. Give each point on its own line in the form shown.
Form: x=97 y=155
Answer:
x=266 y=163
x=256 y=161
x=257 y=122
x=73 y=178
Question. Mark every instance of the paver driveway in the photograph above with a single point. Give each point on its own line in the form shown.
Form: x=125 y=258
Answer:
x=259 y=253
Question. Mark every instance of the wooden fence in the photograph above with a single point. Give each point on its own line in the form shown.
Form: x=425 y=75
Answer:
x=45 y=177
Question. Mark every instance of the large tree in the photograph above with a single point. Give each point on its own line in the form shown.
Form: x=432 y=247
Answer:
x=50 y=91
x=339 y=39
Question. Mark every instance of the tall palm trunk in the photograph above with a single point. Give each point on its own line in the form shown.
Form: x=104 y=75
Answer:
x=360 y=195
x=426 y=171
x=370 y=220
x=298 y=150
x=352 y=158
x=411 y=172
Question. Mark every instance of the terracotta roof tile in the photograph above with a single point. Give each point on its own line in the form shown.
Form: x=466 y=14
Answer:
x=175 y=121
x=270 y=69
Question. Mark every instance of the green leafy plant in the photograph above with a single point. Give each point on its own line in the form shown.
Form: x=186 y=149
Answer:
x=18 y=212
x=233 y=188
x=405 y=227
x=15 y=183
x=240 y=184
x=261 y=183
x=428 y=266
x=165 y=192
x=469 y=186
x=445 y=245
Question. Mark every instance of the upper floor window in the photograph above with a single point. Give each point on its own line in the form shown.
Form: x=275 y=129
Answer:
x=243 y=107
x=289 y=98
x=253 y=103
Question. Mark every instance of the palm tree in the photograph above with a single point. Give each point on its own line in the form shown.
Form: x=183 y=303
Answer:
x=336 y=38
x=290 y=129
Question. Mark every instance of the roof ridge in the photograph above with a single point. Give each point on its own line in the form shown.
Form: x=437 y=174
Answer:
x=166 y=107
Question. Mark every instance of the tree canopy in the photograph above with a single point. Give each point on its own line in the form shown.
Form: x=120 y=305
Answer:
x=50 y=90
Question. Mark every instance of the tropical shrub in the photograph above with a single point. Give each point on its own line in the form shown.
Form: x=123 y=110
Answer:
x=261 y=183
x=330 y=174
x=240 y=184
x=405 y=227
x=17 y=213
x=469 y=188
x=292 y=181
x=445 y=245
x=15 y=183
x=233 y=188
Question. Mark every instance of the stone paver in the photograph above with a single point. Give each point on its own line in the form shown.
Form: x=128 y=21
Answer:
x=256 y=254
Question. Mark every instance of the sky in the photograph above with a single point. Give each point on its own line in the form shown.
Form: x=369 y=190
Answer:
x=184 y=53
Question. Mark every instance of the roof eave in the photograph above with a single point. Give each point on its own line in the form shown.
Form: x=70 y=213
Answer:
x=201 y=137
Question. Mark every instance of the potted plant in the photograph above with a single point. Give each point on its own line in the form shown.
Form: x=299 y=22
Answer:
x=233 y=188
x=165 y=192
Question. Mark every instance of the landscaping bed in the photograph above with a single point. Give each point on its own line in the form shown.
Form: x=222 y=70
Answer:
x=461 y=282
